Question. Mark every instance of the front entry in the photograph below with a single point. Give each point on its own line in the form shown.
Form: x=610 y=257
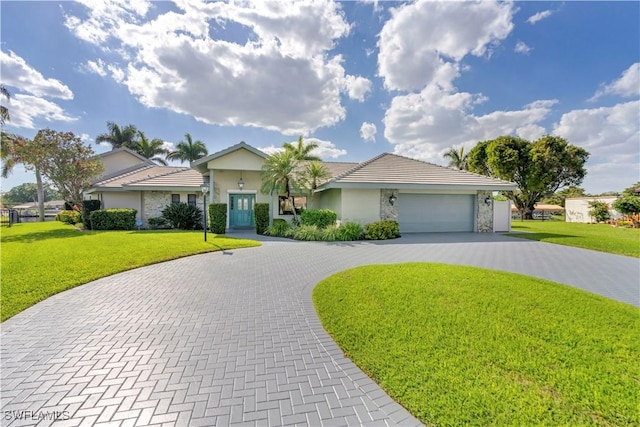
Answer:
x=241 y=210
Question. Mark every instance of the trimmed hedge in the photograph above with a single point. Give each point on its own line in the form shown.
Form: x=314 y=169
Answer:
x=261 y=214
x=218 y=217
x=69 y=217
x=322 y=218
x=89 y=206
x=113 y=219
x=382 y=230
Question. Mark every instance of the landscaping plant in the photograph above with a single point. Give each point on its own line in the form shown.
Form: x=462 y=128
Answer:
x=183 y=216
x=113 y=219
x=261 y=214
x=218 y=217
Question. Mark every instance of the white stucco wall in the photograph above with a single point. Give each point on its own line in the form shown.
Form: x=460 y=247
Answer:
x=329 y=199
x=501 y=216
x=128 y=200
x=360 y=205
x=237 y=160
x=115 y=162
x=226 y=181
x=577 y=209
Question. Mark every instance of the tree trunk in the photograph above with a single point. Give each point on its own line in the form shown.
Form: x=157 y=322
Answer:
x=40 y=195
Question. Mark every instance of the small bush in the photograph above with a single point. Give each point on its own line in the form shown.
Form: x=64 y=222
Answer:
x=599 y=211
x=331 y=233
x=261 y=214
x=89 y=206
x=69 y=217
x=158 y=223
x=308 y=232
x=183 y=216
x=321 y=218
x=113 y=219
x=381 y=230
x=280 y=228
x=218 y=217
x=350 y=231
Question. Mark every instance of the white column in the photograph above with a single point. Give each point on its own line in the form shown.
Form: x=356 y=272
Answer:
x=212 y=197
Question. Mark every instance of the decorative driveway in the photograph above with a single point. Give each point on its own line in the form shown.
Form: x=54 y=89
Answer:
x=232 y=337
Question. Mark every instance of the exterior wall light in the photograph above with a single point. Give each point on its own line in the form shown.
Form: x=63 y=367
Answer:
x=240 y=183
x=487 y=200
x=392 y=199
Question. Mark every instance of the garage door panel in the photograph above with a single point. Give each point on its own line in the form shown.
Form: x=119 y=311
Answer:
x=435 y=213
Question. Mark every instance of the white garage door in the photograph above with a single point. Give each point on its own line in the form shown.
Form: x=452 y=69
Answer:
x=435 y=212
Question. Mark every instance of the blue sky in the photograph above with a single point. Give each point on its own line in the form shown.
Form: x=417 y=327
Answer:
x=358 y=78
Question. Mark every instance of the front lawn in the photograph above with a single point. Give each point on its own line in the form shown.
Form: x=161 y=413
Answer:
x=42 y=259
x=461 y=345
x=599 y=237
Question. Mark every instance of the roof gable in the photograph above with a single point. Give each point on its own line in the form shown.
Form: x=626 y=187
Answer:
x=203 y=163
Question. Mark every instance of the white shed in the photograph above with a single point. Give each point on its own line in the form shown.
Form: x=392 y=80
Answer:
x=577 y=208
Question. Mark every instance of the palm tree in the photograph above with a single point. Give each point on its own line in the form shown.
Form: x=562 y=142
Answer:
x=7 y=154
x=279 y=175
x=313 y=174
x=457 y=158
x=4 y=111
x=188 y=151
x=119 y=137
x=300 y=150
x=151 y=149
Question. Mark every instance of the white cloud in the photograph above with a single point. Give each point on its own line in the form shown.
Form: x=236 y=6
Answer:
x=423 y=42
x=17 y=73
x=539 y=16
x=611 y=135
x=25 y=109
x=627 y=85
x=368 y=131
x=357 y=87
x=521 y=47
x=96 y=67
x=424 y=124
x=326 y=149
x=277 y=73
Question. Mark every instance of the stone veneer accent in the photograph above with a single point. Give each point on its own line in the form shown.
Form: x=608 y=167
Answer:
x=386 y=210
x=484 y=213
x=154 y=203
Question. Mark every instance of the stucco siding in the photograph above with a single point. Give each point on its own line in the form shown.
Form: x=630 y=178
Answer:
x=577 y=209
x=225 y=181
x=128 y=200
x=360 y=205
x=237 y=160
x=330 y=199
x=115 y=162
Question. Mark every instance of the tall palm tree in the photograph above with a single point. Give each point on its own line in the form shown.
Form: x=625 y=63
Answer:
x=457 y=158
x=119 y=137
x=300 y=150
x=188 y=151
x=279 y=175
x=7 y=154
x=313 y=174
x=4 y=111
x=151 y=149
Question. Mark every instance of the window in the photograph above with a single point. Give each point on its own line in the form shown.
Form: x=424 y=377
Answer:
x=300 y=203
x=191 y=199
x=175 y=199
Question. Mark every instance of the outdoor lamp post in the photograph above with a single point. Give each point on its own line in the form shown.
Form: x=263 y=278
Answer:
x=205 y=190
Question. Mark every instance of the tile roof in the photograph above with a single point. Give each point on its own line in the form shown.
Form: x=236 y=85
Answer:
x=393 y=169
x=160 y=176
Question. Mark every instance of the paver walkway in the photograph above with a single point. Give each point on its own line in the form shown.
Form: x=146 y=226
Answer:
x=232 y=338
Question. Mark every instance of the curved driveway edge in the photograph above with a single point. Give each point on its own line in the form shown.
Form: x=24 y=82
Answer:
x=233 y=338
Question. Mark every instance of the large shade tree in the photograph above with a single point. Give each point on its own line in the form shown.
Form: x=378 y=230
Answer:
x=119 y=137
x=151 y=149
x=457 y=158
x=28 y=193
x=538 y=168
x=300 y=150
x=188 y=150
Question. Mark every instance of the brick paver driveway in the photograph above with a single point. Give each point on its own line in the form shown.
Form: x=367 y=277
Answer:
x=232 y=338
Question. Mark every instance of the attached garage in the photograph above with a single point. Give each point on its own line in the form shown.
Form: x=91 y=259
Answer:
x=436 y=213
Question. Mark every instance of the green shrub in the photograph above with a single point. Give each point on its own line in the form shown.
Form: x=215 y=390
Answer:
x=599 y=210
x=158 y=223
x=261 y=214
x=113 y=219
x=218 y=217
x=307 y=232
x=321 y=218
x=331 y=233
x=183 y=216
x=350 y=231
x=69 y=217
x=280 y=228
x=381 y=230
x=89 y=206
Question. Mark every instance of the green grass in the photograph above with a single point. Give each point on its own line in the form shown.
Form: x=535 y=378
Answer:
x=599 y=237
x=461 y=345
x=42 y=259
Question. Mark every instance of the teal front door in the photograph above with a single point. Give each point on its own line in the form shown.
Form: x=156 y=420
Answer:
x=241 y=210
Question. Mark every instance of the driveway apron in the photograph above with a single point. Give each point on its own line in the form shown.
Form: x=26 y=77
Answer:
x=232 y=337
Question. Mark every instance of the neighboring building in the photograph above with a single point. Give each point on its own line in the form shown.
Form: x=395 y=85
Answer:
x=422 y=197
x=577 y=208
